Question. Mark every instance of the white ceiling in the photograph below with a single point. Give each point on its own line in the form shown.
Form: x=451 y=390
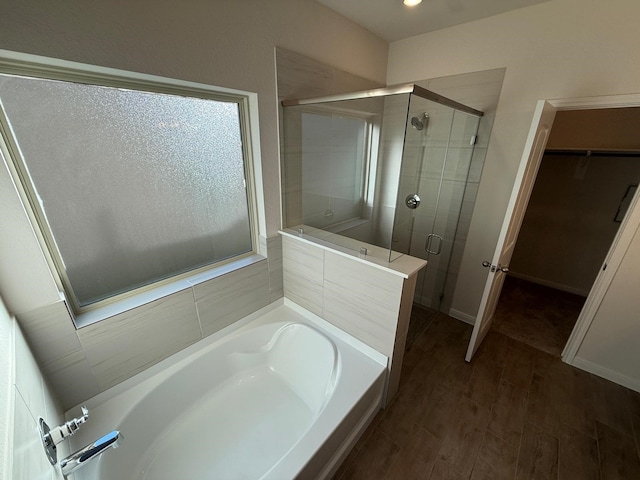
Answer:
x=392 y=20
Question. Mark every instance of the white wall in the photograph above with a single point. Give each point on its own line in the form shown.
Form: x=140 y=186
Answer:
x=610 y=348
x=557 y=49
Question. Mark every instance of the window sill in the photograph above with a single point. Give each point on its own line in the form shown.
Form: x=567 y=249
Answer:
x=93 y=316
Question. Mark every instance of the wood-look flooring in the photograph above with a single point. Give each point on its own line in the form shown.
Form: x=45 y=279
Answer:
x=515 y=412
x=539 y=316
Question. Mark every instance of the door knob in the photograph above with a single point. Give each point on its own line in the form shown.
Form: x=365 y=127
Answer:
x=486 y=264
x=495 y=268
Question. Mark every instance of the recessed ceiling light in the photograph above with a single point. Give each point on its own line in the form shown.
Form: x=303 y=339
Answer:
x=412 y=3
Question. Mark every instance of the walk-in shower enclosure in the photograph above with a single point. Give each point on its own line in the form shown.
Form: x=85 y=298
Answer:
x=381 y=173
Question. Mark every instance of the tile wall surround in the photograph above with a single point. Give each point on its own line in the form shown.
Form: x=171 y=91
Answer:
x=31 y=398
x=299 y=77
x=82 y=363
x=352 y=290
x=367 y=301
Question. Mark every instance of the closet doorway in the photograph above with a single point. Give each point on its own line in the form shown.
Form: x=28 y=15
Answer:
x=586 y=180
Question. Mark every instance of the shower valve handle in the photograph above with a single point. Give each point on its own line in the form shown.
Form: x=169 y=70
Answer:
x=412 y=201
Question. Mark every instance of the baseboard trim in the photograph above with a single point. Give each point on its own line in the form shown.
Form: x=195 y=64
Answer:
x=463 y=317
x=547 y=283
x=424 y=301
x=607 y=374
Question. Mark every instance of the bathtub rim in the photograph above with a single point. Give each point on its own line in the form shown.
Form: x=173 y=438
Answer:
x=124 y=397
x=162 y=370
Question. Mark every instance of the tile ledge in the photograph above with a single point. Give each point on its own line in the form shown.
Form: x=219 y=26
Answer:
x=404 y=266
x=93 y=316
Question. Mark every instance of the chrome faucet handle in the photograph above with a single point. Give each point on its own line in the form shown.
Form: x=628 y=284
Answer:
x=51 y=437
x=57 y=434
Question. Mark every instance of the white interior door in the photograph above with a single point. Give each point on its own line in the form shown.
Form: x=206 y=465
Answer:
x=523 y=185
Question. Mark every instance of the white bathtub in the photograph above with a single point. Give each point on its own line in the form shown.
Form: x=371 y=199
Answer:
x=284 y=395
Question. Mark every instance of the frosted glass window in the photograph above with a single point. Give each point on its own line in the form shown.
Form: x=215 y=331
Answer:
x=134 y=186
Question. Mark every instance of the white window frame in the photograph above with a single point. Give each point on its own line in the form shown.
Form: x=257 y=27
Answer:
x=14 y=63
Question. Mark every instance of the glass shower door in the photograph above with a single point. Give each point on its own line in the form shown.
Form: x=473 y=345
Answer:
x=450 y=224
x=424 y=152
x=435 y=168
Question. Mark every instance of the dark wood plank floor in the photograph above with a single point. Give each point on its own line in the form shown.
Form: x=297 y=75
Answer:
x=515 y=412
x=539 y=316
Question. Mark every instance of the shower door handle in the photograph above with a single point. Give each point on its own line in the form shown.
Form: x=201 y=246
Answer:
x=427 y=245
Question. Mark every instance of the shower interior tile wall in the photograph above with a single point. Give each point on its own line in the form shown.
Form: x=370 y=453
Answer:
x=480 y=90
x=389 y=178
x=81 y=363
x=302 y=77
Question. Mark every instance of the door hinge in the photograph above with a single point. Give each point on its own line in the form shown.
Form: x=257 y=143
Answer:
x=474 y=139
x=604 y=267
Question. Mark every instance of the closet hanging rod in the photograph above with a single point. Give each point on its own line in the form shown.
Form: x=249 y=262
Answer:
x=592 y=153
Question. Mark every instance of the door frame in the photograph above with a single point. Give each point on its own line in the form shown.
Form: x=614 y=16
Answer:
x=625 y=233
x=543 y=117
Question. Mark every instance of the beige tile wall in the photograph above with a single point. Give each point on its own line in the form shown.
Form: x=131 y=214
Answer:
x=121 y=346
x=274 y=264
x=56 y=345
x=370 y=303
x=220 y=304
x=362 y=300
x=79 y=364
x=303 y=275
x=32 y=398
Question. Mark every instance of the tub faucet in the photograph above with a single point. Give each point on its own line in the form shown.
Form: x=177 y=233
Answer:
x=89 y=452
x=51 y=437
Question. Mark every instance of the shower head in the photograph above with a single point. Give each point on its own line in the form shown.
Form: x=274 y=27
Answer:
x=419 y=122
